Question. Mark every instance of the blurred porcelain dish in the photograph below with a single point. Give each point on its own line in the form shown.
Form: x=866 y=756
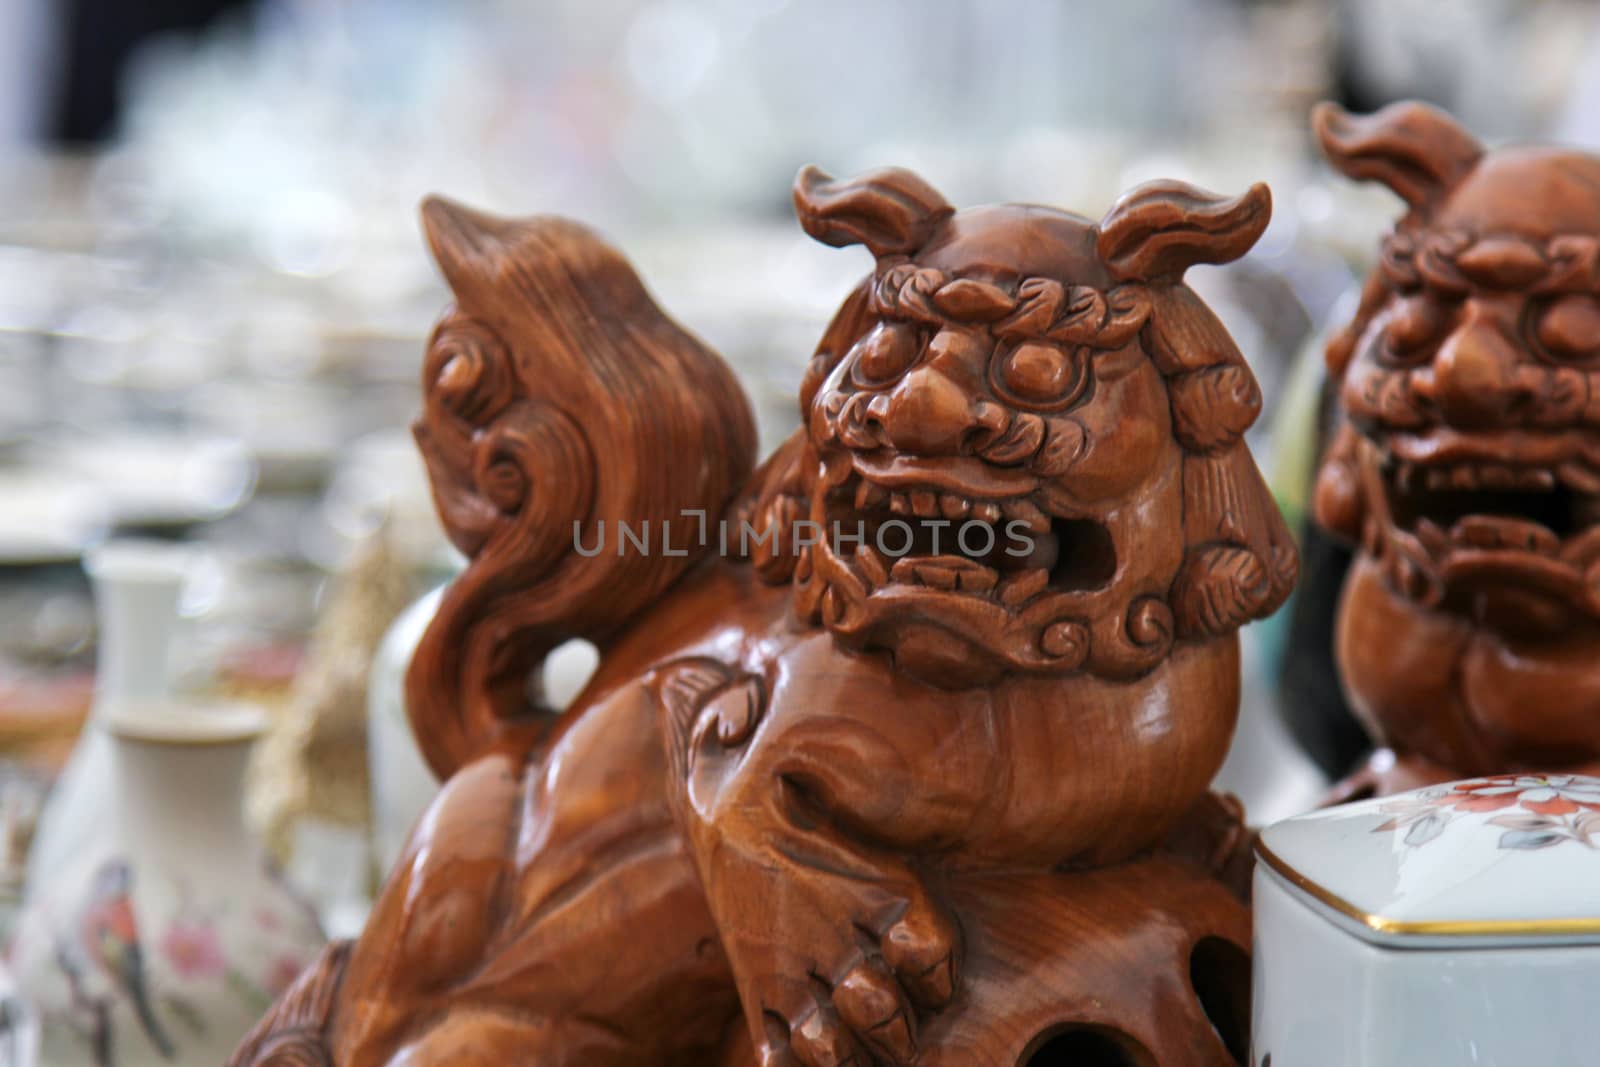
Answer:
x=153 y=479
x=1454 y=924
x=47 y=520
x=292 y=428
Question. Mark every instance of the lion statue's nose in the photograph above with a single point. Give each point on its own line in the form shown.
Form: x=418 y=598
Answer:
x=1473 y=379
x=926 y=414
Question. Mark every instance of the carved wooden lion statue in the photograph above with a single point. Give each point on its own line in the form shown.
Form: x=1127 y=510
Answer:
x=899 y=747
x=1467 y=461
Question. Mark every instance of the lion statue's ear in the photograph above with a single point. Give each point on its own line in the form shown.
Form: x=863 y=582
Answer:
x=1161 y=229
x=891 y=211
x=1414 y=149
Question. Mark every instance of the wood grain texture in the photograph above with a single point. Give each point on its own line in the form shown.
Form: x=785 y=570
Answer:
x=555 y=393
x=1066 y=966
x=294 y=1032
x=1467 y=460
x=828 y=800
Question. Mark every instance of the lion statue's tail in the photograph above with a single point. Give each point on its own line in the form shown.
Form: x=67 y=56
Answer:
x=560 y=404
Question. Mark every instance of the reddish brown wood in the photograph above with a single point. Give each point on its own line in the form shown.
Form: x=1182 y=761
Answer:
x=819 y=804
x=294 y=1032
x=1467 y=465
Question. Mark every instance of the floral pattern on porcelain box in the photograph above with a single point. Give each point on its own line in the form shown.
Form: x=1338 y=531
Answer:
x=1531 y=810
x=141 y=967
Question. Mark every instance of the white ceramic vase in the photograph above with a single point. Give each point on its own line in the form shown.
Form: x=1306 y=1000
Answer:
x=136 y=590
x=166 y=939
x=402 y=784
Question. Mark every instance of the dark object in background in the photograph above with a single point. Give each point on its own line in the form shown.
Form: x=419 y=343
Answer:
x=97 y=39
x=1313 y=705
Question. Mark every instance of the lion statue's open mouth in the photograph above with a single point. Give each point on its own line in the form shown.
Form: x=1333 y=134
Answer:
x=1463 y=512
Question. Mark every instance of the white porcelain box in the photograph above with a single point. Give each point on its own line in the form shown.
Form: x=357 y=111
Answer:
x=1455 y=925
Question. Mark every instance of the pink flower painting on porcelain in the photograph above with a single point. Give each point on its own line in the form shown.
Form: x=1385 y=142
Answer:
x=193 y=949
x=1530 y=811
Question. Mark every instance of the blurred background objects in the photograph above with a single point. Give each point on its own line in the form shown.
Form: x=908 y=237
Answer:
x=214 y=298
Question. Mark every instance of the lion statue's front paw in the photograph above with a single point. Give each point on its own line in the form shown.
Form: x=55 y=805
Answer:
x=839 y=963
x=869 y=1012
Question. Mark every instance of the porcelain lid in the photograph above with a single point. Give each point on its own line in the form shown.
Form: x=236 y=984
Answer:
x=174 y=723
x=1505 y=857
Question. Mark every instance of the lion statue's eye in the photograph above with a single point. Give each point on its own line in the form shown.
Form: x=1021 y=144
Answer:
x=1568 y=328
x=1415 y=321
x=884 y=354
x=1038 y=374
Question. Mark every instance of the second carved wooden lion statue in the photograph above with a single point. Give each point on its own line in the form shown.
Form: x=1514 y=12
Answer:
x=1466 y=464
x=899 y=748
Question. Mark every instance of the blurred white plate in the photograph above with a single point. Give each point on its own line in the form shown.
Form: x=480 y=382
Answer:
x=44 y=519
x=153 y=479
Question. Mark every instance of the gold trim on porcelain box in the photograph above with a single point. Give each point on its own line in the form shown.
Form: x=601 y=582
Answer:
x=1433 y=928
